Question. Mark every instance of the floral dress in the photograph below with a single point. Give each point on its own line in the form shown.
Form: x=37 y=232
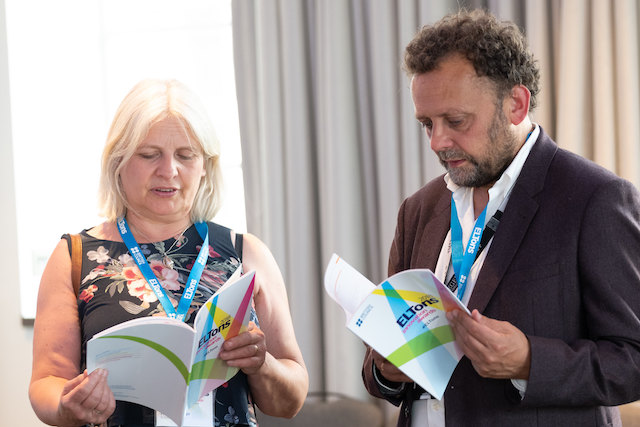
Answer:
x=113 y=290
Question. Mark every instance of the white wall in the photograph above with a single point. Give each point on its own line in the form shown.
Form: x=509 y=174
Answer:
x=15 y=338
x=198 y=52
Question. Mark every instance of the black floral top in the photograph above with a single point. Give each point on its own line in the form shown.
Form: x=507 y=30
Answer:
x=113 y=290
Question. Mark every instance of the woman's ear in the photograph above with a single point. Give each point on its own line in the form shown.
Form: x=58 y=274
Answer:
x=518 y=104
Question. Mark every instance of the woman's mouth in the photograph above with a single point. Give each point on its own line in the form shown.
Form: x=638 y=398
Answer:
x=161 y=191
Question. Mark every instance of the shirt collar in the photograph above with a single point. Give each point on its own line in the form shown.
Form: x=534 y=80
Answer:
x=499 y=192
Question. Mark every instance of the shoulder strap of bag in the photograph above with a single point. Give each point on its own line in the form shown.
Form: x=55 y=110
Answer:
x=76 y=261
x=239 y=245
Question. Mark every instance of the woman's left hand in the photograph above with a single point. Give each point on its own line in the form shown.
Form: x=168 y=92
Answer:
x=246 y=351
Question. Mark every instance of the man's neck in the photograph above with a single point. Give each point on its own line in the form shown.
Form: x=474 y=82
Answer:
x=481 y=194
x=480 y=199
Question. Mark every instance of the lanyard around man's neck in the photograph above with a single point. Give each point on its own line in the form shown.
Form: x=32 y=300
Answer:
x=463 y=258
x=147 y=272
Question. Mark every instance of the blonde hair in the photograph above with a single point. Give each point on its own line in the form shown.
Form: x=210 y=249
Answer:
x=149 y=102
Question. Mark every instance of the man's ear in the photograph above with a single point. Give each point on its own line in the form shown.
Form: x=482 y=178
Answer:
x=518 y=104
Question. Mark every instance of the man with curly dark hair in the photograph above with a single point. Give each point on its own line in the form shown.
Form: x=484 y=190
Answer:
x=543 y=246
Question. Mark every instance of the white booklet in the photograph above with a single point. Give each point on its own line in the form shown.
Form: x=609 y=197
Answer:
x=167 y=365
x=403 y=319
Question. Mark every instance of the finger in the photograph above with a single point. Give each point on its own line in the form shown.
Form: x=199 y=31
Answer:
x=93 y=388
x=253 y=335
x=469 y=337
x=476 y=328
x=106 y=396
x=81 y=395
x=106 y=402
x=74 y=382
x=245 y=352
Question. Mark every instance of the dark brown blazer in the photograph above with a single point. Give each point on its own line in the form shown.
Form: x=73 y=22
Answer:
x=563 y=267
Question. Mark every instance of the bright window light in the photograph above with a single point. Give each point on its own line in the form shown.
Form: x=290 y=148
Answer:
x=70 y=64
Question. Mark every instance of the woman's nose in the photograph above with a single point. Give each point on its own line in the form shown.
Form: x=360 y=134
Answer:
x=168 y=166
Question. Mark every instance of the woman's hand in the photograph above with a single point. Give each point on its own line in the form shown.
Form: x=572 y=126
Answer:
x=60 y=393
x=246 y=351
x=86 y=399
x=269 y=355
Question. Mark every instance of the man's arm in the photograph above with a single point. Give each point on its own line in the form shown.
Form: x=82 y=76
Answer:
x=375 y=381
x=601 y=364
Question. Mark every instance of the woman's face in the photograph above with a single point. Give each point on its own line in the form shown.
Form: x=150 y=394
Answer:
x=162 y=177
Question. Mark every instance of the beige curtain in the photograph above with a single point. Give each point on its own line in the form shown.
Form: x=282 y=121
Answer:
x=330 y=145
x=589 y=56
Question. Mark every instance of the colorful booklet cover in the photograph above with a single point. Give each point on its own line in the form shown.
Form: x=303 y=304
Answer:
x=167 y=365
x=403 y=319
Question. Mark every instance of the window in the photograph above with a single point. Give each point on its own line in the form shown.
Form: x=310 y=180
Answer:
x=70 y=64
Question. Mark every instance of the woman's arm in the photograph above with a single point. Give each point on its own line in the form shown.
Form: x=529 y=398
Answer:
x=60 y=394
x=269 y=355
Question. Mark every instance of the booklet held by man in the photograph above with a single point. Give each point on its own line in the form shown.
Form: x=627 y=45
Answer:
x=403 y=319
x=167 y=365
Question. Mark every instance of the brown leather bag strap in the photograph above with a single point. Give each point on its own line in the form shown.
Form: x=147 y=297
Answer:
x=76 y=261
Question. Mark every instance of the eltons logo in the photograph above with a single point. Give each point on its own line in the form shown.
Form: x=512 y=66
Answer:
x=475 y=237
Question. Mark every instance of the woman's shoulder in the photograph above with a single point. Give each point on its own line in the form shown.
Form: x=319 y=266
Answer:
x=104 y=231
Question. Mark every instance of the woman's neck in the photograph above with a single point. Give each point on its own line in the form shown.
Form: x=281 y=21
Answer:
x=147 y=231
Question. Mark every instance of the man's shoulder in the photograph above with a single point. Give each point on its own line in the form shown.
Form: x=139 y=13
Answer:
x=432 y=195
x=563 y=168
x=577 y=172
x=435 y=188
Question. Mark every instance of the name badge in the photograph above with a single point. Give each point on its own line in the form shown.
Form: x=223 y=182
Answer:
x=199 y=415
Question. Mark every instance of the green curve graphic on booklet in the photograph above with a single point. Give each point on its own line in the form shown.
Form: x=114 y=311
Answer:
x=421 y=344
x=160 y=349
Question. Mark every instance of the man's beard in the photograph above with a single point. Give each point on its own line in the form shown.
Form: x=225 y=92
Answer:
x=485 y=171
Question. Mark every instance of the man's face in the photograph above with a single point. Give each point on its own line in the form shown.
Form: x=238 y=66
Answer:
x=465 y=123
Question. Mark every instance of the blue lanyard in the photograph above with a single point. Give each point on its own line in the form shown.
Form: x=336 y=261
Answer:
x=463 y=259
x=145 y=269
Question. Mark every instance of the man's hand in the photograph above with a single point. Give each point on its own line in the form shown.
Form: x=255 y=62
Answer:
x=388 y=370
x=496 y=349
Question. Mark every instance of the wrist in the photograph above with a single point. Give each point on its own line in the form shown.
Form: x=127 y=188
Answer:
x=386 y=386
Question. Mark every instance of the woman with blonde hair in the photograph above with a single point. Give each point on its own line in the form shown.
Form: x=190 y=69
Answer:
x=160 y=183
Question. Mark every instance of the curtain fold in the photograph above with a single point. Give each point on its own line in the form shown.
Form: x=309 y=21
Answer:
x=627 y=90
x=331 y=146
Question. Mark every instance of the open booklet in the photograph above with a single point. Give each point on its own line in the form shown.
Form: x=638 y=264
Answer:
x=167 y=365
x=403 y=319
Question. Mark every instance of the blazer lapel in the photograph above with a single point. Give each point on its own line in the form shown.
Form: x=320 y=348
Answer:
x=433 y=235
x=518 y=214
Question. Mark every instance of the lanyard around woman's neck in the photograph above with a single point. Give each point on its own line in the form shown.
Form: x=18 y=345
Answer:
x=147 y=272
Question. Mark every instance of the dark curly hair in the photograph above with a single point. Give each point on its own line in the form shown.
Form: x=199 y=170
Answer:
x=497 y=50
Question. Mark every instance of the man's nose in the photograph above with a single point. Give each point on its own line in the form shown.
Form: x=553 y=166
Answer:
x=439 y=138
